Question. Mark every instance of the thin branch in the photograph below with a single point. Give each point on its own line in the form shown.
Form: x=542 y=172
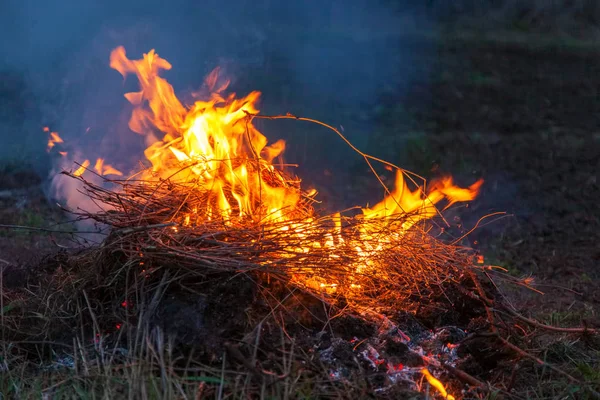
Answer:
x=33 y=228
x=126 y=231
x=537 y=324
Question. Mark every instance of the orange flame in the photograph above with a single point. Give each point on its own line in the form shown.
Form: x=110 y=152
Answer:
x=104 y=170
x=215 y=145
x=100 y=167
x=419 y=206
x=53 y=140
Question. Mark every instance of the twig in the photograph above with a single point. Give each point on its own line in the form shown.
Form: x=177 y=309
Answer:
x=549 y=327
x=236 y=354
x=485 y=301
x=33 y=228
x=539 y=361
x=502 y=213
x=466 y=378
x=513 y=375
x=367 y=157
x=126 y=231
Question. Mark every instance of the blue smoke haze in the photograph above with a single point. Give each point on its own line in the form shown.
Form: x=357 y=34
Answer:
x=323 y=59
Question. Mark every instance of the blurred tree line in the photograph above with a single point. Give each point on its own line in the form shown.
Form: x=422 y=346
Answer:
x=536 y=15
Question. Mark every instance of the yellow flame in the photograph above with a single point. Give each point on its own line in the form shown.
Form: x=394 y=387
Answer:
x=79 y=171
x=436 y=384
x=53 y=140
x=222 y=150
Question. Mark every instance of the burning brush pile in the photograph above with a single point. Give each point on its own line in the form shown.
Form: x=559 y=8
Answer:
x=216 y=247
x=213 y=201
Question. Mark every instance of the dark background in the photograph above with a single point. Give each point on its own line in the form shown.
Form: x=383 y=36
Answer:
x=504 y=90
x=323 y=59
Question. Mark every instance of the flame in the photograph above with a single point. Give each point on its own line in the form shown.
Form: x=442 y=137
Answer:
x=436 y=384
x=100 y=167
x=212 y=144
x=401 y=200
x=105 y=170
x=53 y=140
x=214 y=147
x=82 y=168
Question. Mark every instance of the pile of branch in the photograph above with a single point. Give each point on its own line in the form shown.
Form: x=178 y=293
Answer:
x=161 y=224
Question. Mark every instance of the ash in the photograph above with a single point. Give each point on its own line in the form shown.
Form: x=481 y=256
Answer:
x=392 y=358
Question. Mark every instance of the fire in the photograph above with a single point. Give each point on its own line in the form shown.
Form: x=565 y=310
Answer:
x=100 y=167
x=214 y=145
x=82 y=168
x=105 y=170
x=433 y=381
x=418 y=205
x=212 y=149
x=53 y=140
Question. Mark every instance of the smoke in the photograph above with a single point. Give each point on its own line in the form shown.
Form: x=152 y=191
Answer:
x=324 y=59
